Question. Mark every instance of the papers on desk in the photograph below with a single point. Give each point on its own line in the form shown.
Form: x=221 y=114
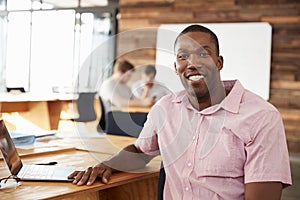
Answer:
x=37 y=145
x=80 y=135
x=44 y=133
x=22 y=138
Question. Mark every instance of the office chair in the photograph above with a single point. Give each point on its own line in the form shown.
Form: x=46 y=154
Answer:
x=124 y=123
x=101 y=127
x=161 y=182
x=85 y=107
x=121 y=123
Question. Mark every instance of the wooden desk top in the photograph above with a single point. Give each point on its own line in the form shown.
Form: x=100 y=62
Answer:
x=132 y=109
x=81 y=159
x=28 y=96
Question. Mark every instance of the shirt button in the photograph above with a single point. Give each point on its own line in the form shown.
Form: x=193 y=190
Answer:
x=189 y=164
x=194 y=137
x=187 y=189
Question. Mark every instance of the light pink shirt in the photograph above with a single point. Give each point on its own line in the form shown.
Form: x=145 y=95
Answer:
x=211 y=154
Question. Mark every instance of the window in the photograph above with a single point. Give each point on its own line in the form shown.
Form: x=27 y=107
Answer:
x=55 y=50
x=18 y=50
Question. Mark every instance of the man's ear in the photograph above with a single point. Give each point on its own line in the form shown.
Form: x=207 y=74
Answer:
x=175 y=67
x=220 y=62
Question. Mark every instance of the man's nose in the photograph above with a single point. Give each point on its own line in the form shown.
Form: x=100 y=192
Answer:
x=194 y=60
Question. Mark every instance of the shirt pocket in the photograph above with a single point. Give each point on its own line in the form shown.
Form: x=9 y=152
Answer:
x=226 y=158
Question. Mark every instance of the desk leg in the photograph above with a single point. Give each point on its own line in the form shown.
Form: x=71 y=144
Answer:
x=54 y=109
x=37 y=114
x=43 y=114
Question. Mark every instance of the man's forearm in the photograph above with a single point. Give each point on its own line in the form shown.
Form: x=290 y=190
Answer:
x=129 y=158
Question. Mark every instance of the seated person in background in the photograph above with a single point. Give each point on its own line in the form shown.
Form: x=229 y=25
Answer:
x=115 y=91
x=147 y=86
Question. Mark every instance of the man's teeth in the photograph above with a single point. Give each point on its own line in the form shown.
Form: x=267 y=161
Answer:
x=195 y=77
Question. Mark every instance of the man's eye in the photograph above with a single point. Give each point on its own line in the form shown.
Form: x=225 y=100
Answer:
x=204 y=54
x=183 y=56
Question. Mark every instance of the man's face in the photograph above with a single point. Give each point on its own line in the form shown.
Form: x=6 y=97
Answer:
x=148 y=78
x=197 y=63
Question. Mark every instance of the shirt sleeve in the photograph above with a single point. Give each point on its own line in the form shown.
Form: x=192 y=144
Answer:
x=117 y=94
x=148 y=138
x=267 y=153
x=106 y=90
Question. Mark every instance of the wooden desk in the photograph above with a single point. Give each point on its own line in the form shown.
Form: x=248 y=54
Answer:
x=37 y=108
x=132 y=109
x=123 y=185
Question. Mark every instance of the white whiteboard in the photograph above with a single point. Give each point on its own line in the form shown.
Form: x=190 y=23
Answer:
x=245 y=47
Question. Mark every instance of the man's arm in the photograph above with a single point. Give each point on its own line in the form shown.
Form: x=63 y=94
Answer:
x=263 y=191
x=129 y=158
x=145 y=102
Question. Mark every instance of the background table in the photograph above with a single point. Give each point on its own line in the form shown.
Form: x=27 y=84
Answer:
x=43 y=110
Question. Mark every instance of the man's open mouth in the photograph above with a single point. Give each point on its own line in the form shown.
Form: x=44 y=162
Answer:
x=195 y=77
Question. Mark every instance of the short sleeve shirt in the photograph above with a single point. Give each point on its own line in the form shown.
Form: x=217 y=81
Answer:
x=158 y=90
x=117 y=94
x=212 y=153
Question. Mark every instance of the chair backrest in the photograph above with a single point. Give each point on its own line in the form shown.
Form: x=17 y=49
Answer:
x=102 y=122
x=124 y=123
x=120 y=123
x=85 y=107
x=161 y=183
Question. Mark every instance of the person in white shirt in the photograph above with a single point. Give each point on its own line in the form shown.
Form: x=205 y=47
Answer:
x=115 y=91
x=147 y=86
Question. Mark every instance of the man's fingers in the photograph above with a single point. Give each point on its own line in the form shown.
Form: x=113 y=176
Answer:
x=78 y=176
x=97 y=171
x=106 y=175
x=73 y=174
x=84 y=176
x=89 y=176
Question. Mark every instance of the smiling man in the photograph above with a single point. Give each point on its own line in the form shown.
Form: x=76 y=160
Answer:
x=217 y=139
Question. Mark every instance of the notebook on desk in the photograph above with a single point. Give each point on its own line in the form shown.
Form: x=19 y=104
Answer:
x=29 y=172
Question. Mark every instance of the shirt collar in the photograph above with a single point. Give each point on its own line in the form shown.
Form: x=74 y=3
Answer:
x=180 y=96
x=231 y=102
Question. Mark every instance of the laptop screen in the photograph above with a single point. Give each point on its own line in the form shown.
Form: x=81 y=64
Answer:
x=9 y=151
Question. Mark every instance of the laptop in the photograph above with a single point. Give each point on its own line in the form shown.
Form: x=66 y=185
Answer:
x=29 y=172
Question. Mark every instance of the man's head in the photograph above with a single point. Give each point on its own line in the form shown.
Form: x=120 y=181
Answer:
x=149 y=73
x=123 y=70
x=199 y=28
x=198 y=63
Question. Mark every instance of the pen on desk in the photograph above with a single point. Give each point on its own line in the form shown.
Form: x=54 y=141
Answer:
x=49 y=163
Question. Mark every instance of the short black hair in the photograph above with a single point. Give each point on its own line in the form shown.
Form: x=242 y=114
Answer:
x=199 y=28
x=150 y=69
x=124 y=66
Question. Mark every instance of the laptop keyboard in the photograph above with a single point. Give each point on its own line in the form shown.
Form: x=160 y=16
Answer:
x=36 y=172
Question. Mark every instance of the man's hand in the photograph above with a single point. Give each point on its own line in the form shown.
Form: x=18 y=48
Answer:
x=89 y=176
x=147 y=102
x=127 y=159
